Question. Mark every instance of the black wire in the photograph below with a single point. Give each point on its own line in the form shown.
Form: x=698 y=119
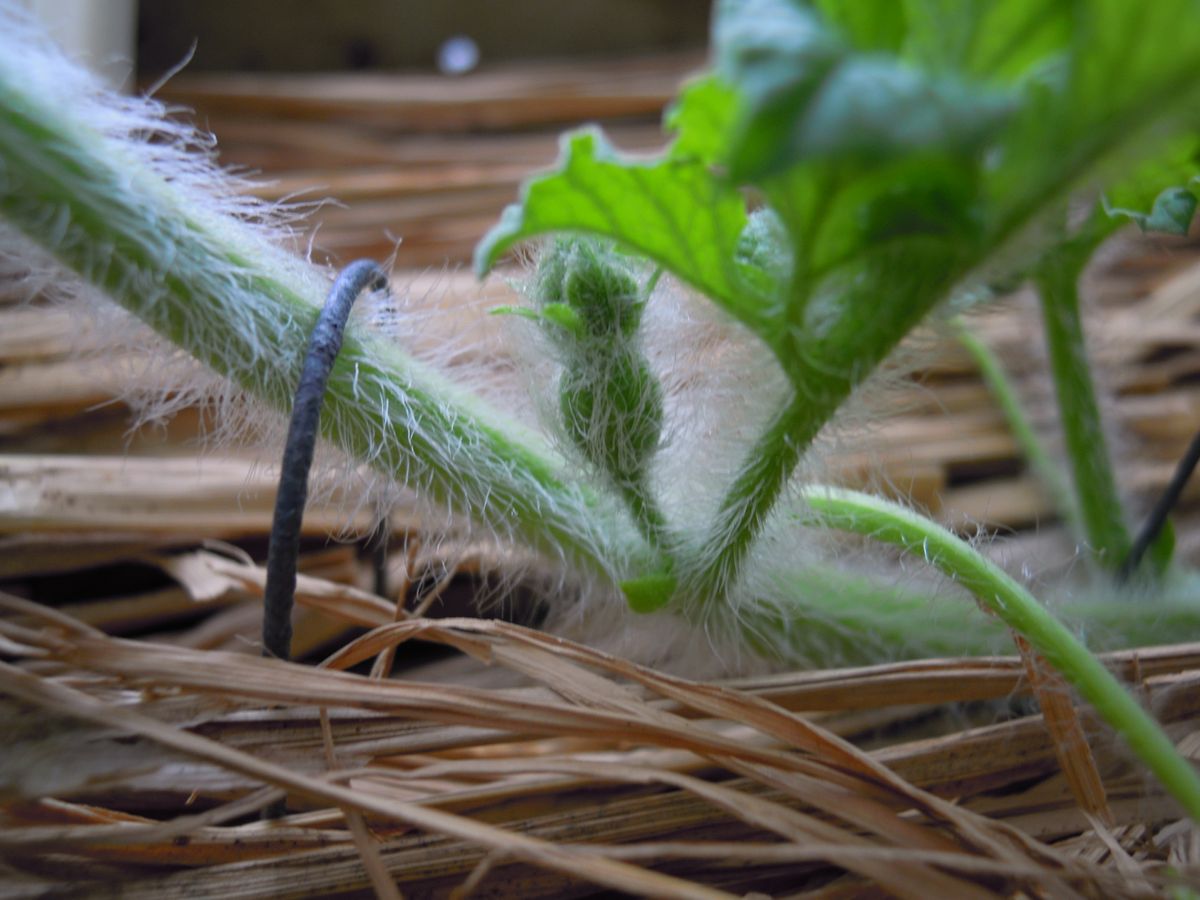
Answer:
x=377 y=550
x=1158 y=516
x=284 y=549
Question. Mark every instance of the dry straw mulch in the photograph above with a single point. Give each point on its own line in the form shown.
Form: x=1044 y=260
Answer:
x=604 y=775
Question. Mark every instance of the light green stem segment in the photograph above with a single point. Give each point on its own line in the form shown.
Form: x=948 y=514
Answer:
x=239 y=305
x=1097 y=499
x=894 y=524
x=1005 y=395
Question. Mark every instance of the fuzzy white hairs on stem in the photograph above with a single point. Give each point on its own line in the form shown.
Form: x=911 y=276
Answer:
x=156 y=225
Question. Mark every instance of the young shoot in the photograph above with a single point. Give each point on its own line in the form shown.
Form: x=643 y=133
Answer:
x=610 y=404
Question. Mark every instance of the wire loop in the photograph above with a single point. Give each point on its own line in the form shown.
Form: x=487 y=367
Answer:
x=284 y=549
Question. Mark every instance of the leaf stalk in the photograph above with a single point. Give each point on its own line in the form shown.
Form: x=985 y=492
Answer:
x=1096 y=496
x=891 y=523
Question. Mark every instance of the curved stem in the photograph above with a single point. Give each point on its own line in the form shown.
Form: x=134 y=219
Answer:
x=895 y=524
x=1005 y=395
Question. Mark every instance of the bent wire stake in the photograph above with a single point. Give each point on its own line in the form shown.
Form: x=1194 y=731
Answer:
x=1158 y=515
x=284 y=548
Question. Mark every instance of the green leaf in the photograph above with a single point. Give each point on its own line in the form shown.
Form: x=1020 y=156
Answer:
x=868 y=24
x=521 y=312
x=557 y=314
x=807 y=94
x=673 y=211
x=564 y=316
x=854 y=151
x=1171 y=213
x=701 y=120
x=1001 y=41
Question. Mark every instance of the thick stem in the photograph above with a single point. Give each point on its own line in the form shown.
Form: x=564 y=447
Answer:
x=895 y=524
x=241 y=306
x=1097 y=499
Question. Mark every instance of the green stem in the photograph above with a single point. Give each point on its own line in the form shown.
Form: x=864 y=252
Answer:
x=1005 y=395
x=245 y=308
x=747 y=503
x=824 y=367
x=646 y=512
x=1096 y=495
x=894 y=524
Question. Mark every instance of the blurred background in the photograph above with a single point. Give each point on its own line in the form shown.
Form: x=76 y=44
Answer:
x=420 y=119
x=382 y=35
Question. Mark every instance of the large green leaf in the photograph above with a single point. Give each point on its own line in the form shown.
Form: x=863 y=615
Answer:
x=998 y=41
x=855 y=151
x=985 y=118
x=807 y=93
x=1110 y=101
x=674 y=211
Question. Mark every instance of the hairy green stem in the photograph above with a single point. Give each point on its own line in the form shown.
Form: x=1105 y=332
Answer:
x=1005 y=395
x=824 y=368
x=746 y=504
x=1101 y=516
x=647 y=513
x=243 y=308
x=895 y=524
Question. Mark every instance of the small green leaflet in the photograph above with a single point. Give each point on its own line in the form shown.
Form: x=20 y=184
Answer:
x=559 y=314
x=1171 y=213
